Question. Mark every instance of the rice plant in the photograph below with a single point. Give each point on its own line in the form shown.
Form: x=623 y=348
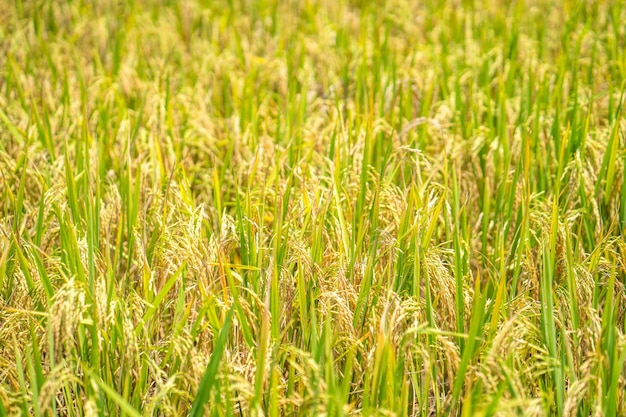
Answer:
x=312 y=207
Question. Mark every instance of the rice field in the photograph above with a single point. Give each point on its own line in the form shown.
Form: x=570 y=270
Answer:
x=312 y=208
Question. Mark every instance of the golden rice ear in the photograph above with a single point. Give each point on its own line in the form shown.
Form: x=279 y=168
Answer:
x=66 y=313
